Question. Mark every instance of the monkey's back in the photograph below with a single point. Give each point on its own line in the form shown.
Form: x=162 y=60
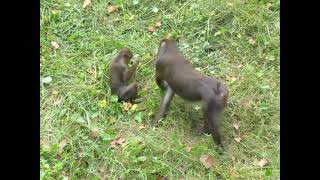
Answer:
x=116 y=77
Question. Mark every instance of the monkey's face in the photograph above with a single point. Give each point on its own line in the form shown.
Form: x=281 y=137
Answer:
x=126 y=54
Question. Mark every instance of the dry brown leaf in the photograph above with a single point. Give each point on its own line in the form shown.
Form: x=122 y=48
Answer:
x=55 y=45
x=62 y=144
x=151 y=29
x=158 y=23
x=233 y=172
x=118 y=141
x=207 y=161
x=44 y=144
x=112 y=8
x=262 y=162
x=188 y=148
x=236 y=125
x=252 y=41
x=142 y=126
x=86 y=3
x=237 y=139
x=94 y=133
x=127 y=106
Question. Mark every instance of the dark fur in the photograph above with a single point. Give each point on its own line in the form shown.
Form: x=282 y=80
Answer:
x=177 y=76
x=120 y=73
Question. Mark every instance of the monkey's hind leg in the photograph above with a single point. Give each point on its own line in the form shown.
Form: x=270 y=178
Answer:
x=128 y=93
x=211 y=113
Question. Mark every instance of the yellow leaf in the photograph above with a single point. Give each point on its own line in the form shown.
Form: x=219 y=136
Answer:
x=158 y=23
x=86 y=3
x=134 y=107
x=231 y=78
x=103 y=103
x=127 y=106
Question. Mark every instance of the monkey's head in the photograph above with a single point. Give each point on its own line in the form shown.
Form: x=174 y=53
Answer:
x=125 y=54
x=168 y=43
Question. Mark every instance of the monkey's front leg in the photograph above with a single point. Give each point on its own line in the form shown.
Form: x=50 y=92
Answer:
x=164 y=105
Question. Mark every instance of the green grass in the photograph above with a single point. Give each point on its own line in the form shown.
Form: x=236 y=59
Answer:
x=215 y=37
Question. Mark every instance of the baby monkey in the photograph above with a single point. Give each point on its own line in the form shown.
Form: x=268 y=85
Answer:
x=120 y=73
x=176 y=75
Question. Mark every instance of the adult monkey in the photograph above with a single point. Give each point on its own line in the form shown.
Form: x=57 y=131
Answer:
x=176 y=75
x=120 y=73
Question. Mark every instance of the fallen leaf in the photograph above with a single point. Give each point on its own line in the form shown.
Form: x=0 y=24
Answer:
x=81 y=154
x=126 y=106
x=103 y=103
x=54 y=92
x=86 y=3
x=269 y=5
x=44 y=144
x=169 y=35
x=252 y=41
x=240 y=66
x=262 y=162
x=112 y=8
x=56 y=102
x=142 y=126
x=135 y=2
x=188 y=148
x=118 y=141
x=131 y=17
x=47 y=80
x=151 y=29
x=161 y=178
x=94 y=133
x=231 y=78
x=237 y=139
x=271 y=58
x=236 y=125
x=62 y=144
x=233 y=172
x=158 y=23
x=230 y=4
x=142 y=158
x=134 y=107
x=155 y=9
x=55 y=45
x=206 y=160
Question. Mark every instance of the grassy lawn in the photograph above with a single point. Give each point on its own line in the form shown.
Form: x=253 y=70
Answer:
x=235 y=41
